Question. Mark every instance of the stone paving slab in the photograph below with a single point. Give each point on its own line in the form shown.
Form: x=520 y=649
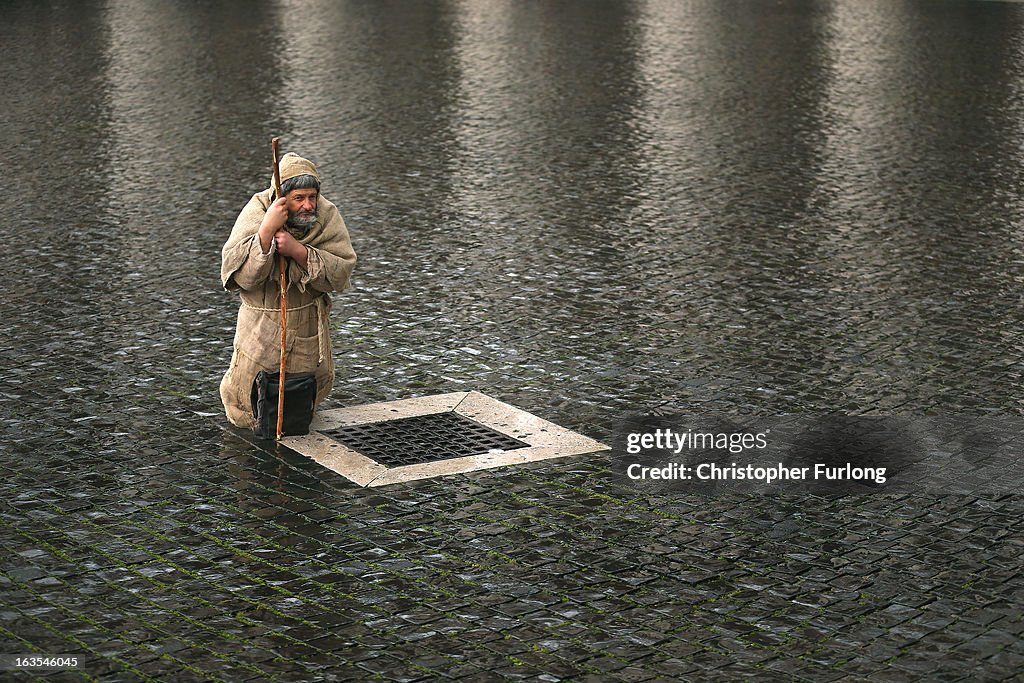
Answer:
x=538 y=439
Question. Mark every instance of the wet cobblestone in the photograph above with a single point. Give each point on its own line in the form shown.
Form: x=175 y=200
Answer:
x=280 y=574
x=779 y=257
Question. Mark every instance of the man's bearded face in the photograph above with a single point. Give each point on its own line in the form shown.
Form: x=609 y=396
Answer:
x=301 y=209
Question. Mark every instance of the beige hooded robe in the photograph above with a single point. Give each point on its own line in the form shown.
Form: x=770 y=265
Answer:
x=245 y=268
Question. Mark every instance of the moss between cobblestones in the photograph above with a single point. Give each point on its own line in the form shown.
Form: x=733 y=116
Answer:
x=226 y=635
x=624 y=502
x=370 y=563
x=79 y=617
x=10 y=637
x=419 y=569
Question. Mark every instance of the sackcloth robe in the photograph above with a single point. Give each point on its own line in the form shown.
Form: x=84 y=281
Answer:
x=254 y=275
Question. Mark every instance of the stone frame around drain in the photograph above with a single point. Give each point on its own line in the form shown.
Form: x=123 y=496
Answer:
x=546 y=440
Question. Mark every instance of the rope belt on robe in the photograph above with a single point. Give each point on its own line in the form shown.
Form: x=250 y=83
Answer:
x=321 y=325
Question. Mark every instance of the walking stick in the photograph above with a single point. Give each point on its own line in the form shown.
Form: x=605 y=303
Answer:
x=282 y=280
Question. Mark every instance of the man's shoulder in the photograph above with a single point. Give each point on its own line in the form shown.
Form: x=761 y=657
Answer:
x=327 y=211
x=325 y=204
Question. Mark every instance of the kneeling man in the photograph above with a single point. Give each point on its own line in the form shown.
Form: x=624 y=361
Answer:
x=309 y=231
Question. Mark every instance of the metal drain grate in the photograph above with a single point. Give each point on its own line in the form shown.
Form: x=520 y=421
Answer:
x=423 y=438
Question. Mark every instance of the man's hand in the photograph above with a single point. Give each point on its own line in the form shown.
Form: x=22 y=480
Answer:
x=291 y=247
x=273 y=221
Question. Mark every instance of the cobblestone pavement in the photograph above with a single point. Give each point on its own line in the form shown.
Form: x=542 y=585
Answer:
x=581 y=238
x=146 y=537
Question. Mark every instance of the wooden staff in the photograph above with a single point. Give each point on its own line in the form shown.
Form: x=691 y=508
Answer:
x=282 y=279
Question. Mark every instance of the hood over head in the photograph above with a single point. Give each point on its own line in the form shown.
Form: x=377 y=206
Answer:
x=292 y=165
